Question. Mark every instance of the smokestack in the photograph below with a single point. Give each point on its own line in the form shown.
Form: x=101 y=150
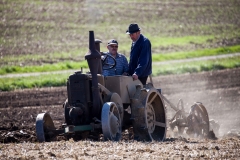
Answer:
x=93 y=58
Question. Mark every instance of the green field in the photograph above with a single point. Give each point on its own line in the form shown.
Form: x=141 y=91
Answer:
x=40 y=35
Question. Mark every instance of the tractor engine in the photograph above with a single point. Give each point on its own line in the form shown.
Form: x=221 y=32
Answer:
x=79 y=99
x=79 y=104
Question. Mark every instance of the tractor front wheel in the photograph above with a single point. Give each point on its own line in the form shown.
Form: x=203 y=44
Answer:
x=111 y=122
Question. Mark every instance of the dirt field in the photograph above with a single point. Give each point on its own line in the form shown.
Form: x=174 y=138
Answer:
x=40 y=28
x=219 y=91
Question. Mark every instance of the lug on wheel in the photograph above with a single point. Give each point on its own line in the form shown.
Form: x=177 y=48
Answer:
x=148 y=115
x=44 y=127
x=198 y=121
x=111 y=122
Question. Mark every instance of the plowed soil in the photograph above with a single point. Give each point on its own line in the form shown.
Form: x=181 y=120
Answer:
x=219 y=91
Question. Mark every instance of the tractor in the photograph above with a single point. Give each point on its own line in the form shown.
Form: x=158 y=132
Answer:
x=109 y=104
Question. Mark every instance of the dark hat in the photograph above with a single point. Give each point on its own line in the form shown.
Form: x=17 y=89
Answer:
x=112 y=41
x=133 y=28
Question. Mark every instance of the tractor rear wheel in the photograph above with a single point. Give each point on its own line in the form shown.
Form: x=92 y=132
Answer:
x=148 y=115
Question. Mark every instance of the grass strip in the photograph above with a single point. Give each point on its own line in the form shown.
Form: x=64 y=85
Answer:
x=197 y=53
x=52 y=80
x=44 y=68
x=83 y=64
x=193 y=67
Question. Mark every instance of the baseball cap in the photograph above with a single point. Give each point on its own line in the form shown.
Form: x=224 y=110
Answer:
x=112 y=41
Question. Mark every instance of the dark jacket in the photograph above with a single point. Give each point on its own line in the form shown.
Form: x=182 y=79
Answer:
x=141 y=58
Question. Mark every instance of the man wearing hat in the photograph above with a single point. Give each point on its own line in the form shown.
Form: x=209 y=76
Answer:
x=121 y=67
x=140 y=64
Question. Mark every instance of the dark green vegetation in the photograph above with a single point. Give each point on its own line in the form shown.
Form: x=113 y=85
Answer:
x=51 y=35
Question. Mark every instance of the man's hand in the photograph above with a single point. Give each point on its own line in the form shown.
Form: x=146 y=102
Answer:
x=135 y=77
x=125 y=74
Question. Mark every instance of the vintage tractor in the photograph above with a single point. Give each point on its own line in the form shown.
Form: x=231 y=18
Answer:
x=107 y=105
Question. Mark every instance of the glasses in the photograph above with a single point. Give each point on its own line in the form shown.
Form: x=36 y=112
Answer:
x=114 y=46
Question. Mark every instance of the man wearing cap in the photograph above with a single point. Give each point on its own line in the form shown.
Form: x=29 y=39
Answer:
x=140 y=64
x=121 y=67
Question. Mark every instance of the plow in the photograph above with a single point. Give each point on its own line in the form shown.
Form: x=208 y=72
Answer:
x=107 y=105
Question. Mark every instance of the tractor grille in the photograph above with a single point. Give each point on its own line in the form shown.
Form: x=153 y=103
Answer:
x=78 y=88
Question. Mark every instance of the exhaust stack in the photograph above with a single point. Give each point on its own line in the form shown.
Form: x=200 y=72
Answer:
x=93 y=58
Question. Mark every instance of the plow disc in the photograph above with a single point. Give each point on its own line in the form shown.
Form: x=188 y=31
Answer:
x=198 y=121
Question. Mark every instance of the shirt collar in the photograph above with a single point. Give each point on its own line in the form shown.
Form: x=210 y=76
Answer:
x=118 y=55
x=136 y=40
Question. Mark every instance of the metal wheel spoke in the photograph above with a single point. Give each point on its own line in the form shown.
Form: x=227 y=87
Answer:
x=151 y=100
x=160 y=124
x=111 y=113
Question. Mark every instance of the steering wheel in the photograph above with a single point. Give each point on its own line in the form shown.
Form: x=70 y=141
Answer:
x=106 y=65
